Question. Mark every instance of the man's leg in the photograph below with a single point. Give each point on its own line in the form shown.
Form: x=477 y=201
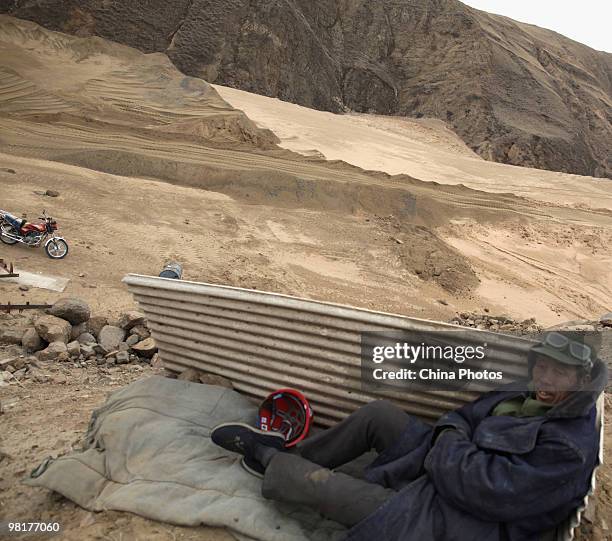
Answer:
x=337 y=496
x=376 y=425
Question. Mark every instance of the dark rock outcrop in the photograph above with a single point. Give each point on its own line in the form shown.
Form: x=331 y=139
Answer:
x=516 y=93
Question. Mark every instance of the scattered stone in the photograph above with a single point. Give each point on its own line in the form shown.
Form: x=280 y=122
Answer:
x=6 y=362
x=156 y=361
x=123 y=357
x=145 y=348
x=52 y=193
x=189 y=374
x=214 y=379
x=8 y=170
x=499 y=323
x=141 y=331
x=132 y=339
x=110 y=337
x=87 y=351
x=20 y=362
x=24 y=287
x=59 y=379
x=73 y=348
x=96 y=324
x=11 y=335
x=86 y=338
x=37 y=375
x=71 y=309
x=31 y=342
x=398 y=241
x=53 y=329
x=123 y=347
x=443 y=302
x=578 y=328
x=78 y=330
x=606 y=320
x=55 y=351
x=131 y=319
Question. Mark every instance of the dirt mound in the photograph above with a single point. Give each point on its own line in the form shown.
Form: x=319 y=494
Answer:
x=515 y=93
x=47 y=73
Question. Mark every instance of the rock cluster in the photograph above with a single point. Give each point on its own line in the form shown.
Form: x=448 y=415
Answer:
x=502 y=324
x=68 y=333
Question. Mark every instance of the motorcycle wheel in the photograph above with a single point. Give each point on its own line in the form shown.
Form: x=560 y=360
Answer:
x=57 y=249
x=11 y=231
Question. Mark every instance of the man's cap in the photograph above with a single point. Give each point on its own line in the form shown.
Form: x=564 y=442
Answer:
x=574 y=354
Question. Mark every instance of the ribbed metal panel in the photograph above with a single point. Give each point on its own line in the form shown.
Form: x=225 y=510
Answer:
x=264 y=341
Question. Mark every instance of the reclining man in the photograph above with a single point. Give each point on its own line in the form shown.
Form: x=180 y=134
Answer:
x=508 y=466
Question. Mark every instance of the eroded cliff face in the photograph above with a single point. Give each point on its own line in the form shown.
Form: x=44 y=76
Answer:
x=516 y=93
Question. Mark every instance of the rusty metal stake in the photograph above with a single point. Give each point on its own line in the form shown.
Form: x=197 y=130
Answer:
x=20 y=307
x=8 y=268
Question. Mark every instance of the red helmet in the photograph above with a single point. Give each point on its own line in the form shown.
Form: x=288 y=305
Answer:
x=286 y=411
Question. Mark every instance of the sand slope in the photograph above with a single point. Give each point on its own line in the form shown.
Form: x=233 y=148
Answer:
x=424 y=148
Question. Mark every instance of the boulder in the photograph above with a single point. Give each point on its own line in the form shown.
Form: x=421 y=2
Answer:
x=86 y=338
x=31 y=341
x=606 y=320
x=96 y=324
x=110 y=337
x=145 y=348
x=55 y=351
x=87 y=351
x=122 y=357
x=71 y=309
x=132 y=340
x=74 y=348
x=78 y=330
x=53 y=329
x=141 y=331
x=131 y=319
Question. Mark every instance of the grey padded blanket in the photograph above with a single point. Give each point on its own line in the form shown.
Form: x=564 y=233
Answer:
x=148 y=451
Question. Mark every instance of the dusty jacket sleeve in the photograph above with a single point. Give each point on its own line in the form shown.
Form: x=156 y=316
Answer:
x=503 y=487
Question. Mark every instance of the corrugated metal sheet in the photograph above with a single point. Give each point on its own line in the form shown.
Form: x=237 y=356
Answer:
x=263 y=341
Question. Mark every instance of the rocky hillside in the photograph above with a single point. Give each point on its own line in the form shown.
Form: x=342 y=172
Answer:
x=516 y=93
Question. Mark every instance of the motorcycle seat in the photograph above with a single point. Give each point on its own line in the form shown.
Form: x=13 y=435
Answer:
x=17 y=223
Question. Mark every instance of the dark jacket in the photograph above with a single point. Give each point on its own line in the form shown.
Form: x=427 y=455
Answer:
x=489 y=478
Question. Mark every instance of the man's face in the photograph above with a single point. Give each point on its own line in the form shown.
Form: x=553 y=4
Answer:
x=552 y=380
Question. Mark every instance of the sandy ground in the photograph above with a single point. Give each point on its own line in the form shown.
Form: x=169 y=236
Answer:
x=152 y=166
x=423 y=148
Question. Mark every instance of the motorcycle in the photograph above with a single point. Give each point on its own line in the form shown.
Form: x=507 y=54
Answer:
x=14 y=230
